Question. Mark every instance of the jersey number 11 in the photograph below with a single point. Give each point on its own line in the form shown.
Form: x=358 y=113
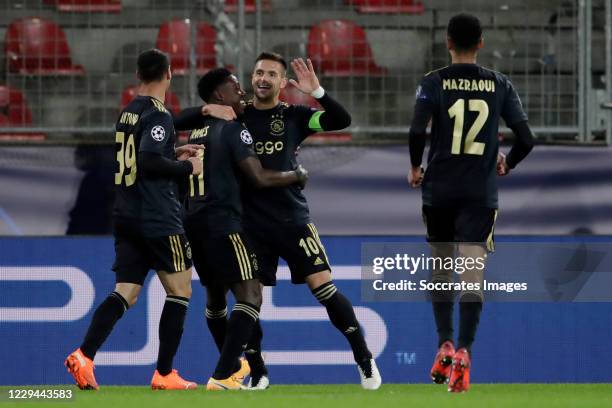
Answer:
x=197 y=180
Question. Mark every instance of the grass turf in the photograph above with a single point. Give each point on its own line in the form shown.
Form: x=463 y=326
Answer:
x=344 y=396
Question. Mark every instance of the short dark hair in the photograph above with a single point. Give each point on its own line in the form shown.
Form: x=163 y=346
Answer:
x=210 y=81
x=152 y=65
x=272 y=56
x=465 y=31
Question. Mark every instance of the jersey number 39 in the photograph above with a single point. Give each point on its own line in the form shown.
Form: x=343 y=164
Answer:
x=126 y=156
x=457 y=112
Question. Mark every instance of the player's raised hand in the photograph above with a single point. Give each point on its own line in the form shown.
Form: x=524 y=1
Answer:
x=502 y=166
x=219 y=111
x=307 y=80
x=415 y=178
x=186 y=151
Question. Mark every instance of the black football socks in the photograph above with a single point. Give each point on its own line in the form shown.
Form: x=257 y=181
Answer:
x=253 y=353
x=170 y=331
x=469 y=317
x=102 y=323
x=216 y=320
x=443 y=314
x=342 y=316
x=240 y=326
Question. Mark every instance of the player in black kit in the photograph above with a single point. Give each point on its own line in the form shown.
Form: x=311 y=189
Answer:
x=277 y=220
x=464 y=102
x=147 y=225
x=222 y=253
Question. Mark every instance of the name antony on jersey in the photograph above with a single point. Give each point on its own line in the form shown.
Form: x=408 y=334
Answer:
x=473 y=85
x=128 y=118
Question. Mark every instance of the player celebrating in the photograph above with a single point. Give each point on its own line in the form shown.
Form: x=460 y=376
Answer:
x=465 y=102
x=278 y=219
x=222 y=253
x=147 y=226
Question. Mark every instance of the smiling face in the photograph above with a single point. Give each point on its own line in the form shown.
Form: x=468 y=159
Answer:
x=231 y=94
x=268 y=79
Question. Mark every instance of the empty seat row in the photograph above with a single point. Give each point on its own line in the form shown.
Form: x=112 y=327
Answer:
x=37 y=46
x=15 y=112
x=231 y=6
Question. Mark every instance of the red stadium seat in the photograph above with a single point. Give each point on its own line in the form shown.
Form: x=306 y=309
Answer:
x=174 y=37
x=14 y=106
x=172 y=101
x=87 y=6
x=340 y=48
x=388 y=6
x=14 y=112
x=294 y=96
x=35 y=46
x=231 y=6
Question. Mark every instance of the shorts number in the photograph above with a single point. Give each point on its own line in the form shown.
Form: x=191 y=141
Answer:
x=126 y=156
x=309 y=245
x=197 y=180
x=457 y=112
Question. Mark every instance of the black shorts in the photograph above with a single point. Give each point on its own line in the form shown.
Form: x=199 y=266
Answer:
x=300 y=246
x=136 y=255
x=223 y=259
x=461 y=224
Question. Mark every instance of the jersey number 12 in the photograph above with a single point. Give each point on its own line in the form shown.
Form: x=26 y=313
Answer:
x=457 y=112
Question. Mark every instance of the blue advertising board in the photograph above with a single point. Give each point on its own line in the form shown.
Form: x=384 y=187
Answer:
x=50 y=287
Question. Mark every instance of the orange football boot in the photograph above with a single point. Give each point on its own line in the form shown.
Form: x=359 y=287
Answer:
x=172 y=381
x=441 y=369
x=460 y=374
x=82 y=370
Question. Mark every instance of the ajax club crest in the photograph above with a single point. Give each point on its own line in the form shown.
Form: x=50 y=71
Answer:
x=277 y=126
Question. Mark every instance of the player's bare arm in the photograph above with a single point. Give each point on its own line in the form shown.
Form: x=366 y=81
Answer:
x=262 y=178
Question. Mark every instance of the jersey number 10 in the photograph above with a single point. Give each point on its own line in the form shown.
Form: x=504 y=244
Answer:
x=457 y=112
x=126 y=156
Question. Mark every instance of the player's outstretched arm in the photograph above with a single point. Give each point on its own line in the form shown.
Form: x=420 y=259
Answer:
x=523 y=144
x=188 y=119
x=262 y=178
x=191 y=118
x=334 y=116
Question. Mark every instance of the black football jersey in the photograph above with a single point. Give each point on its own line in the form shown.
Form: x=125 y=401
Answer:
x=149 y=204
x=277 y=133
x=214 y=198
x=464 y=103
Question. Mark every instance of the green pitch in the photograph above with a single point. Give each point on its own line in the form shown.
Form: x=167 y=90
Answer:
x=346 y=396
